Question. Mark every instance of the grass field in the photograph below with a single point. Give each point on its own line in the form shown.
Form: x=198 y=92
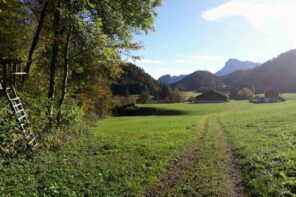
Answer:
x=130 y=155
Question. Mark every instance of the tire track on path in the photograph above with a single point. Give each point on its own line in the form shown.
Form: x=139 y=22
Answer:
x=175 y=171
x=208 y=167
x=234 y=177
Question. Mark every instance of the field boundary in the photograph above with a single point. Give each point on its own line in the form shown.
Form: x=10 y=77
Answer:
x=177 y=168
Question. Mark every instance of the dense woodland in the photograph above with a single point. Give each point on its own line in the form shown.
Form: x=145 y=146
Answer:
x=72 y=51
x=134 y=81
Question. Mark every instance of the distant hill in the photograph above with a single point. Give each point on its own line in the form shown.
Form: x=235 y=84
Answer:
x=134 y=80
x=199 y=80
x=168 y=79
x=233 y=78
x=278 y=73
x=233 y=65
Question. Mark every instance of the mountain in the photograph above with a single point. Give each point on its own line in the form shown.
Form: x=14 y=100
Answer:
x=134 y=80
x=233 y=78
x=199 y=80
x=233 y=65
x=278 y=73
x=168 y=79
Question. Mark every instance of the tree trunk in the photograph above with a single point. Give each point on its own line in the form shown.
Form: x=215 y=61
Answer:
x=36 y=37
x=66 y=74
x=53 y=61
x=54 y=51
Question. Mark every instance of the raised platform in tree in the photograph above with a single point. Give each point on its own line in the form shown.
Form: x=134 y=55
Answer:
x=11 y=74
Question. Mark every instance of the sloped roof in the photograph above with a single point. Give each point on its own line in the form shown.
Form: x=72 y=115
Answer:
x=215 y=92
x=271 y=90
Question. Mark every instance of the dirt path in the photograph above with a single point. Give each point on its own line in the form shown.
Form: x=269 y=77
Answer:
x=200 y=160
x=175 y=171
x=233 y=171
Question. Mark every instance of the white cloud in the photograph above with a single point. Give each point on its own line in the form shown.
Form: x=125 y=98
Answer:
x=272 y=17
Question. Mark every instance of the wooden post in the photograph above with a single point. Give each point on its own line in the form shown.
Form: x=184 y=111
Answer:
x=4 y=76
x=1 y=78
x=13 y=76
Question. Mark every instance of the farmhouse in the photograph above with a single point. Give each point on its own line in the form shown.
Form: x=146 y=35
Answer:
x=212 y=96
x=270 y=96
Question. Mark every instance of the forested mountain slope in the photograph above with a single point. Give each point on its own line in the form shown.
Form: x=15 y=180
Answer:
x=134 y=80
x=278 y=73
x=198 y=80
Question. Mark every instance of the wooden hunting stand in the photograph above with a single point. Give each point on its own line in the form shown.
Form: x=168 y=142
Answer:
x=11 y=75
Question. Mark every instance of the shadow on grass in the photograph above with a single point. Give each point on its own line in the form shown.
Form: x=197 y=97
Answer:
x=132 y=110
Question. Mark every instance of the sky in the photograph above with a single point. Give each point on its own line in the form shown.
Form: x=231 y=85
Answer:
x=193 y=35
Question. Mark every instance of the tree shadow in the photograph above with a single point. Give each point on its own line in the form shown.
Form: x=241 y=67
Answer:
x=133 y=110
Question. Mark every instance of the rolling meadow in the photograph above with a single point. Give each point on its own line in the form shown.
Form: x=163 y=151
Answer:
x=132 y=156
x=147 y=98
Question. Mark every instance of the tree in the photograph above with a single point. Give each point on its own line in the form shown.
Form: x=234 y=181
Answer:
x=174 y=96
x=36 y=36
x=244 y=94
x=144 y=98
x=102 y=30
x=73 y=43
x=15 y=28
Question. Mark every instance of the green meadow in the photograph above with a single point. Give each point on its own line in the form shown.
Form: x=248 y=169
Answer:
x=129 y=156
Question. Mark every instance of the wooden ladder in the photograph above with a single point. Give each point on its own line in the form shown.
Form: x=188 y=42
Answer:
x=20 y=114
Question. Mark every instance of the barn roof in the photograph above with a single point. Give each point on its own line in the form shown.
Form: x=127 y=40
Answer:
x=271 y=90
x=213 y=92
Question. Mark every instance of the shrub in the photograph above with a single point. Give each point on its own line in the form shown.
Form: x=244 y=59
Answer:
x=244 y=94
x=11 y=139
x=144 y=98
x=174 y=96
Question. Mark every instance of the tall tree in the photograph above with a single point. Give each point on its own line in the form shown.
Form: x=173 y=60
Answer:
x=54 y=49
x=65 y=75
x=36 y=36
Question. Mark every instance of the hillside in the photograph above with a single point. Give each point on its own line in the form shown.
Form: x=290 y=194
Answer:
x=199 y=80
x=234 y=77
x=278 y=73
x=233 y=65
x=168 y=79
x=134 y=80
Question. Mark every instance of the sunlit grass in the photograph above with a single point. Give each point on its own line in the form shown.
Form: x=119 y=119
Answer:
x=127 y=155
x=264 y=139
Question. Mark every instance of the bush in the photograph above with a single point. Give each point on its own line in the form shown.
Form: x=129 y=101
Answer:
x=49 y=132
x=11 y=139
x=144 y=98
x=245 y=94
x=174 y=96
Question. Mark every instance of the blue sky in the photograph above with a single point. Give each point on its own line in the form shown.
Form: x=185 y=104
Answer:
x=195 y=35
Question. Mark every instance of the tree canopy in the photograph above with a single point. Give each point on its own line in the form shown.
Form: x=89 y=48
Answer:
x=72 y=49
